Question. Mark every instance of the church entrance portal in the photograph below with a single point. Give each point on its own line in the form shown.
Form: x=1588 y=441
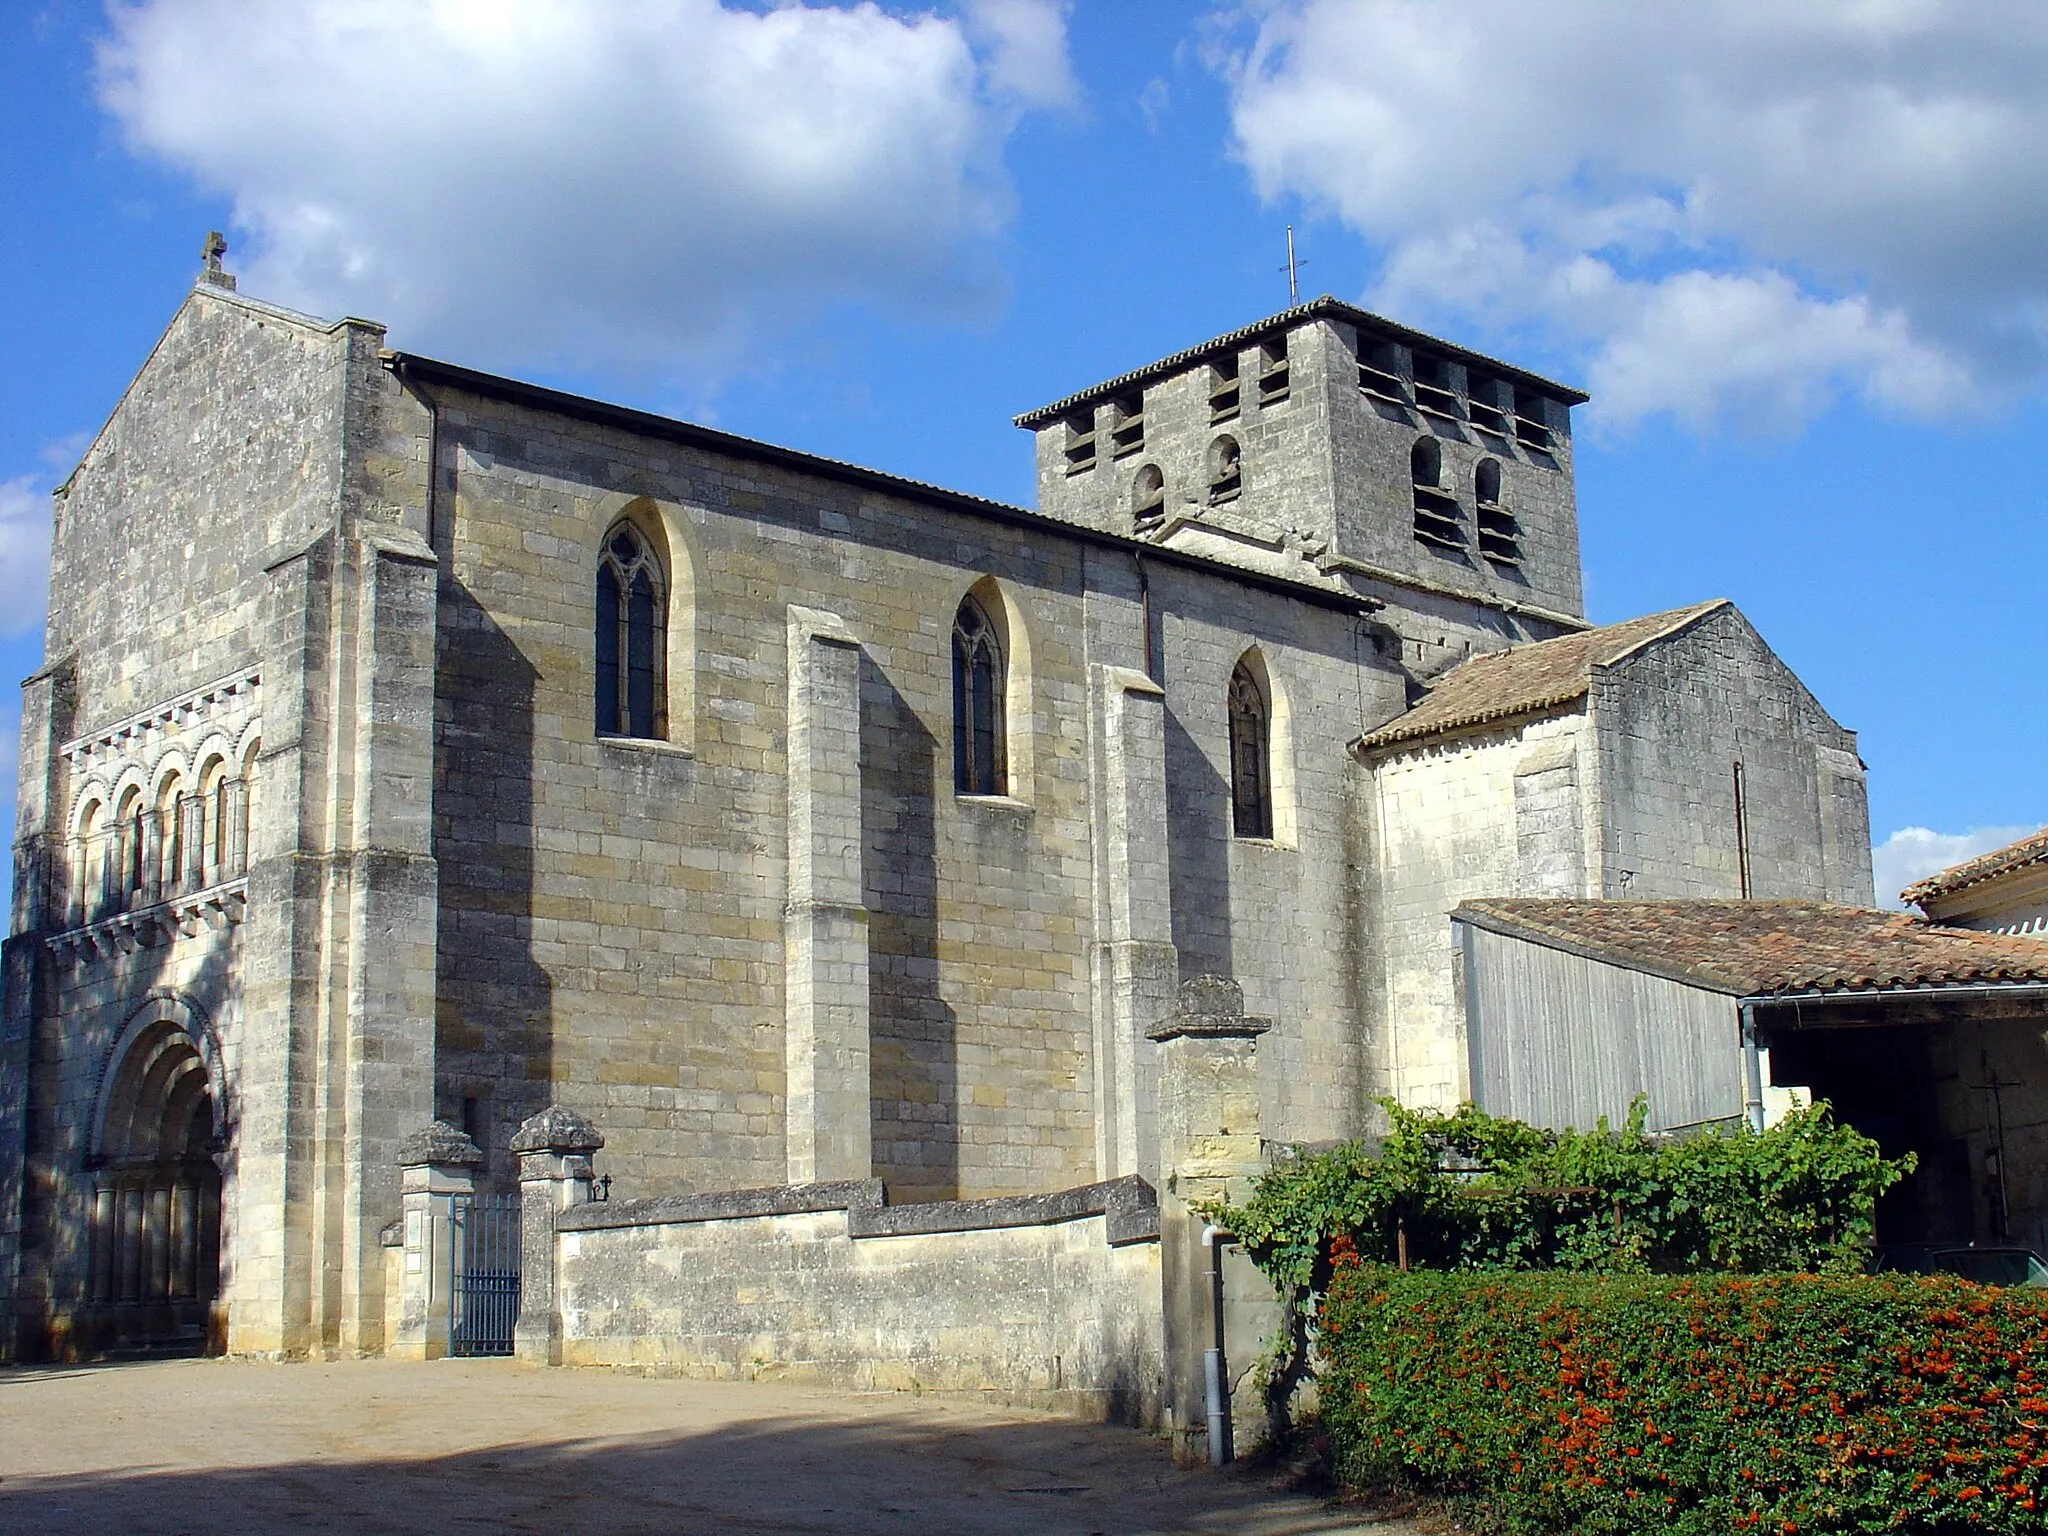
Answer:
x=155 y=1220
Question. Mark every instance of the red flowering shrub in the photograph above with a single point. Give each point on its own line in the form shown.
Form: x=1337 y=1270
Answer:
x=1697 y=1406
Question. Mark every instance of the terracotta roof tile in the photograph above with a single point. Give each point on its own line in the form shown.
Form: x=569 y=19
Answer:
x=1986 y=866
x=1762 y=948
x=1336 y=309
x=1526 y=678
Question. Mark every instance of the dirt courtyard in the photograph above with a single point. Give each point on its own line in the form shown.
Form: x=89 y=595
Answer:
x=218 y=1446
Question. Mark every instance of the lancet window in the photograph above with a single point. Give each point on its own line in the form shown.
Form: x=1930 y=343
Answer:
x=631 y=639
x=979 y=682
x=1251 y=768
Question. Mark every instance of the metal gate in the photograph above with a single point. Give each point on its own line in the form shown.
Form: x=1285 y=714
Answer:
x=484 y=1234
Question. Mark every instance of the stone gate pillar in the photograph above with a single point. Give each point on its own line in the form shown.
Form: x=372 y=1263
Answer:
x=1209 y=1149
x=435 y=1166
x=554 y=1150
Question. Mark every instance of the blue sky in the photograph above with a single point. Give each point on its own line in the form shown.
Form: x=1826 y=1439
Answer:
x=1799 y=254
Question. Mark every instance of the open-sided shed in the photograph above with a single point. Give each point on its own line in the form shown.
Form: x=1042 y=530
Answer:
x=1929 y=1038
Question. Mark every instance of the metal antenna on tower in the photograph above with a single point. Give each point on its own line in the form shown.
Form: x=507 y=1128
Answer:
x=1292 y=268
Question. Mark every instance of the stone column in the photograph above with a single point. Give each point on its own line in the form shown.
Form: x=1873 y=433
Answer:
x=435 y=1165
x=554 y=1150
x=1209 y=1148
x=825 y=926
x=1135 y=963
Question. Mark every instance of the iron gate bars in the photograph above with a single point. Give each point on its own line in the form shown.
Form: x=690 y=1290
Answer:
x=484 y=1260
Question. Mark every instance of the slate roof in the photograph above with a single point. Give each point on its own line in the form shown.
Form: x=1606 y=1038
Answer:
x=2012 y=857
x=1767 y=948
x=1525 y=679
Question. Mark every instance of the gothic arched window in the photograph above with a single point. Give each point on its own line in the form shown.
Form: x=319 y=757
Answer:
x=1251 y=772
x=979 y=680
x=632 y=622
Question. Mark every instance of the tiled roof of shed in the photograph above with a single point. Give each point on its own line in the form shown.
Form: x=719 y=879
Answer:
x=1986 y=866
x=1527 y=678
x=1766 y=948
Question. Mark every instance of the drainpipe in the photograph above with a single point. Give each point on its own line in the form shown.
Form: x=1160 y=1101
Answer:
x=1752 y=1071
x=1215 y=1381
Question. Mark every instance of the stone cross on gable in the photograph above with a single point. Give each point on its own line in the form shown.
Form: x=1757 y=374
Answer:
x=216 y=246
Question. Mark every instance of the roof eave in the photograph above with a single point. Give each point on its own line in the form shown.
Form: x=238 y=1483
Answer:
x=1386 y=740
x=711 y=440
x=1315 y=308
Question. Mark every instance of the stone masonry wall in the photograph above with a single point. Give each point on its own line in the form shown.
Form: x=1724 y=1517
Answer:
x=1673 y=721
x=612 y=913
x=612 y=924
x=1326 y=476
x=1494 y=813
x=238 y=567
x=225 y=446
x=1048 y=1314
x=1281 y=916
x=1374 y=516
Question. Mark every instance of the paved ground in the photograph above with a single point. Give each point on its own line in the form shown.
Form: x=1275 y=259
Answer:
x=227 y=1447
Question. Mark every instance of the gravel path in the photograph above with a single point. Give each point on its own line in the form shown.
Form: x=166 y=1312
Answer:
x=218 y=1446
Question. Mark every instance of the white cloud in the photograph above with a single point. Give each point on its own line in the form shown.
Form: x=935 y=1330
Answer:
x=622 y=183
x=24 y=556
x=1026 y=44
x=1914 y=853
x=1731 y=207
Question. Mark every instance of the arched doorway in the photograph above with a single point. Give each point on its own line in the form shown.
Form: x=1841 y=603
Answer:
x=154 y=1272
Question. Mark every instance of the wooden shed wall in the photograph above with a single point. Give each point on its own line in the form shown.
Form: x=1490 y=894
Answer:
x=1559 y=1040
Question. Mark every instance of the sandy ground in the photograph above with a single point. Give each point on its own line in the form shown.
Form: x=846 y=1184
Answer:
x=216 y=1446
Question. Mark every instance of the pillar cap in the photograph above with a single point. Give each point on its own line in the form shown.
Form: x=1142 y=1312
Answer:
x=556 y=1129
x=1209 y=1007
x=439 y=1145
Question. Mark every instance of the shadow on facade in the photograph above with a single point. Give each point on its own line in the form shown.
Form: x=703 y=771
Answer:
x=913 y=1031
x=896 y=1472
x=126 y=1241
x=1198 y=856
x=494 y=1036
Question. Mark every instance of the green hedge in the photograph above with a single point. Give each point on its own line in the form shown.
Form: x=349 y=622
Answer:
x=1696 y=1407
x=1468 y=1190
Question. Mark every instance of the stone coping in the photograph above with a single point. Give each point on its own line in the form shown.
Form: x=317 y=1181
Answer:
x=1129 y=1207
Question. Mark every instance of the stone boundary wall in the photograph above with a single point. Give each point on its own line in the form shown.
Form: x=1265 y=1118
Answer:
x=1050 y=1301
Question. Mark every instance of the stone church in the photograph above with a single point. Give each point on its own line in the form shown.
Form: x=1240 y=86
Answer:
x=416 y=744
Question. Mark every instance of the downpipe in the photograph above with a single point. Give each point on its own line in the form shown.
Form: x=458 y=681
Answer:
x=1215 y=1379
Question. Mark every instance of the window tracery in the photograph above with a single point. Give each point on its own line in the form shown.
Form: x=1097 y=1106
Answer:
x=631 y=637
x=979 y=682
x=1251 y=771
